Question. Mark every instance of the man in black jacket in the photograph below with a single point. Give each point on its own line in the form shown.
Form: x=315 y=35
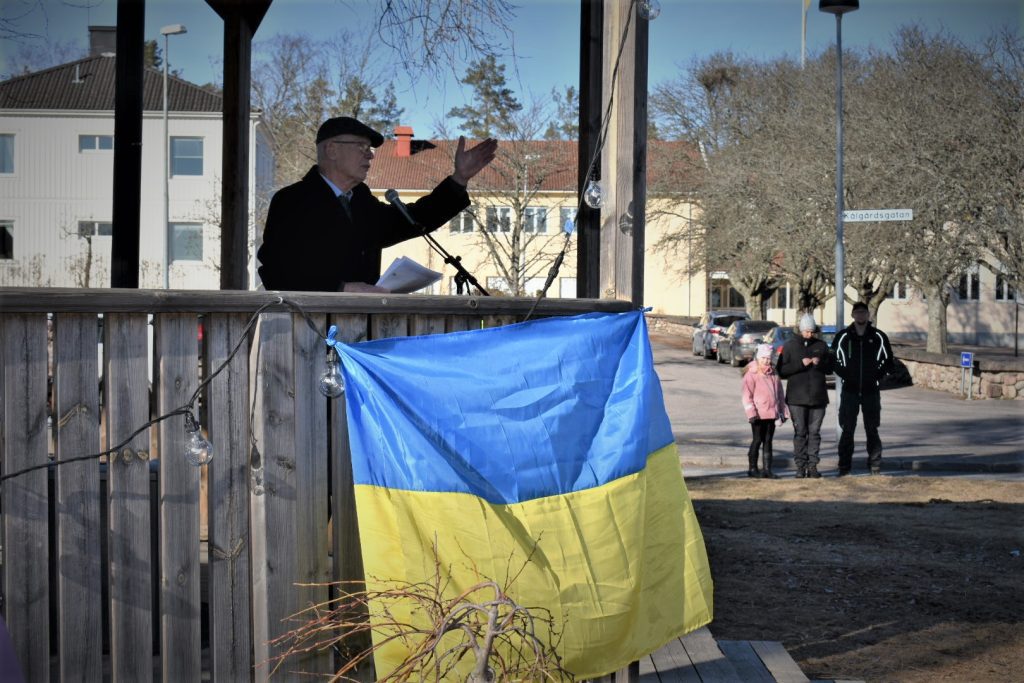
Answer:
x=805 y=362
x=326 y=232
x=862 y=357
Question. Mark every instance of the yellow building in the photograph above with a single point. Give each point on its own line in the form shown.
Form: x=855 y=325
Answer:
x=522 y=201
x=514 y=229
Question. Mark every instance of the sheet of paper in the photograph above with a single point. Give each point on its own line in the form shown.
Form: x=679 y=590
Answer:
x=405 y=275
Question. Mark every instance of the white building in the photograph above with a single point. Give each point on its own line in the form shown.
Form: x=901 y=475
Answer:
x=56 y=179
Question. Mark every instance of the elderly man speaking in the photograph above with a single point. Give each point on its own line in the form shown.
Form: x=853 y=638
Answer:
x=326 y=232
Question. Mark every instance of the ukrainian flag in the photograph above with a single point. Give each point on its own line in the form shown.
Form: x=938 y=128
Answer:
x=541 y=452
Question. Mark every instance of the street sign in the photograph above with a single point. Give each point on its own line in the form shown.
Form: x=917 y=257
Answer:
x=966 y=359
x=863 y=215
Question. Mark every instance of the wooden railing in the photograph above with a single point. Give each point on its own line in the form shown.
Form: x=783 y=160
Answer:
x=103 y=558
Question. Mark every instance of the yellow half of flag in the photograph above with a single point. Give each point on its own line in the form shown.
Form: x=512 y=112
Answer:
x=620 y=568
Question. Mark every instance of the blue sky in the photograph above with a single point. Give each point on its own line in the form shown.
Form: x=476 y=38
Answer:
x=545 y=39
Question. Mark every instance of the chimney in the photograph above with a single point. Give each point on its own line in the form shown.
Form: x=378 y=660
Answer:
x=102 y=40
x=403 y=138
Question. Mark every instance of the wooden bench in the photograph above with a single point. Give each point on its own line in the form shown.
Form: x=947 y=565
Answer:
x=698 y=658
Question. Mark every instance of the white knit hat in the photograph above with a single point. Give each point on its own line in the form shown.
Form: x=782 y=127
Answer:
x=807 y=323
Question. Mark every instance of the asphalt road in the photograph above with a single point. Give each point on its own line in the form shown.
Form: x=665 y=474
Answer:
x=923 y=431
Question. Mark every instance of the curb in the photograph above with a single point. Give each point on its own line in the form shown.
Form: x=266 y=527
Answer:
x=895 y=464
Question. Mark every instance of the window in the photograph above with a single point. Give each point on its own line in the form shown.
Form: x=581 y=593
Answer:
x=968 y=287
x=463 y=222
x=899 y=292
x=723 y=295
x=533 y=286
x=6 y=153
x=1004 y=290
x=567 y=214
x=186 y=241
x=497 y=284
x=567 y=287
x=535 y=219
x=6 y=240
x=186 y=156
x=781 y=297
x=89 y=143
x=93 y=228
x=499 y=216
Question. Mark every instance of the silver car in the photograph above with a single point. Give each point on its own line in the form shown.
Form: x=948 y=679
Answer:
x=711 y=325
x=738 y=344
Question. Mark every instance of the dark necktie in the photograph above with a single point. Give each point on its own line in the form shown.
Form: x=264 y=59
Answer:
x=344 y=201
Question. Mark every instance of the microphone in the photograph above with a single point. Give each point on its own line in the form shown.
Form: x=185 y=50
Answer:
x=392 y=197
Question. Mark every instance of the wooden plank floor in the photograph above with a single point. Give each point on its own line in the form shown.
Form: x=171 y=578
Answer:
x=698 y=658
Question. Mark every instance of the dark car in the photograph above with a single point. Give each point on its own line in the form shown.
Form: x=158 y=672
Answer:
x=739 y=343
x=711 y=325
x=827 y=334
x=777 y=336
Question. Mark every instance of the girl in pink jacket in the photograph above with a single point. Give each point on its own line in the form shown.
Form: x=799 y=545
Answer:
x=764 y=402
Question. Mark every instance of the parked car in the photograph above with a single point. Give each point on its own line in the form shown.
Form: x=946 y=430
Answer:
x=827 y=334
x=711 y=325
x=777 y=336
x=739 y=342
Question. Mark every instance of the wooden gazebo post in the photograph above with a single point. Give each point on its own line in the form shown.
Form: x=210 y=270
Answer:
x=624 y=159
x=241 y=19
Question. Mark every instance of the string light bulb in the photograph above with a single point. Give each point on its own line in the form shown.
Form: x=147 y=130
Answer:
x=649 y=9
x=332 y=384
x=198 y=450
x=255 y=470
x=592 y=196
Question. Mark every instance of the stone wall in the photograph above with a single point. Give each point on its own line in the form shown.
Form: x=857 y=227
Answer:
x=993 y=377
x=679 y=326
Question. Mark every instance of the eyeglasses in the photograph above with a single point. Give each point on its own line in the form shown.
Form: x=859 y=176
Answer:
x=364 y=147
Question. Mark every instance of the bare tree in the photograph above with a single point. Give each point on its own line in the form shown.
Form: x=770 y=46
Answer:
x=1002 y=207
x=33 y=56
x=299 y=82
x=432 y=36
x=935 y=138
x=513 y=221
x=929 y=127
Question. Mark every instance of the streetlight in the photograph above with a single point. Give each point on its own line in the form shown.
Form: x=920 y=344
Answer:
x=172 y=30
x=839 y=8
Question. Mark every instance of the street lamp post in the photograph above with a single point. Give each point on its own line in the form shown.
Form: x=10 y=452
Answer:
x=166 y=31
x=839 y=8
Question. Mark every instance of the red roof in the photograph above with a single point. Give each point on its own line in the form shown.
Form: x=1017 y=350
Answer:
x=553 y=162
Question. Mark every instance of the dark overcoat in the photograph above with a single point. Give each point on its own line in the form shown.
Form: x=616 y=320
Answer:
x=310 y=243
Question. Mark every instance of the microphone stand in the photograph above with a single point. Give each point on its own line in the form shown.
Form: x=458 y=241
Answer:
x=552 y=274
x=463 y=278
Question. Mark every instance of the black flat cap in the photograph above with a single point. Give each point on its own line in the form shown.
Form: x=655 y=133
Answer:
x=342 y=125
x=859 y=305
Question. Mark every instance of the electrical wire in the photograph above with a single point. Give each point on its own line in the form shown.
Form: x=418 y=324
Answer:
x=186 y=409
x=601 y=139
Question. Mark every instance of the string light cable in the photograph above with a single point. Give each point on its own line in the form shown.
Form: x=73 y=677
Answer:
x=650 y=9
x=198 y=449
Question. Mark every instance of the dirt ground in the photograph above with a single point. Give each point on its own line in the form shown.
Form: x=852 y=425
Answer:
x=872 y=578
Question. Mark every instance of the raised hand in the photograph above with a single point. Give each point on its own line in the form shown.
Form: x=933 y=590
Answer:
x=469 y=162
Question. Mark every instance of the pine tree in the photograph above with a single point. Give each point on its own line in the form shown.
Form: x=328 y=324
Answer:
x=493 y=104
